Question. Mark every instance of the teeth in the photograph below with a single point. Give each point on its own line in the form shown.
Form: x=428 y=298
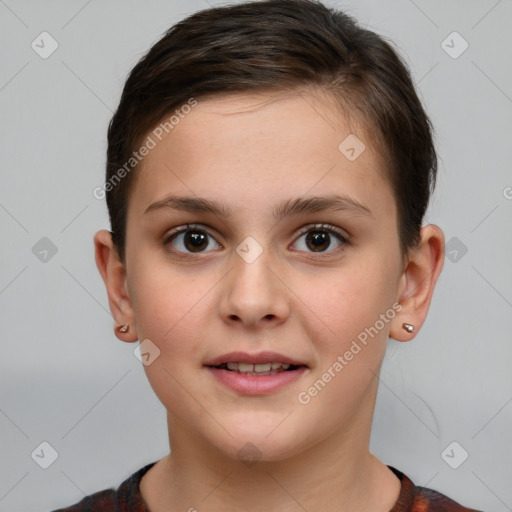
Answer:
x=257 y=368
x=263 y=367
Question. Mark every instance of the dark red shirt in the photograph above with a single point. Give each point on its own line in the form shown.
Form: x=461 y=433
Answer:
x=127 y=498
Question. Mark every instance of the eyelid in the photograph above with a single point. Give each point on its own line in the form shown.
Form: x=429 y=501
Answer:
x=170 y=235
x=327 y=227
x=187 y=227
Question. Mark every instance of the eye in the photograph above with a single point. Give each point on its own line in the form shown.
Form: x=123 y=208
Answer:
x=319 y=237
x=190 y=239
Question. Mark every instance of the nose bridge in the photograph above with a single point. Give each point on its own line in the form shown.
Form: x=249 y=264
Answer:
x=253 y=294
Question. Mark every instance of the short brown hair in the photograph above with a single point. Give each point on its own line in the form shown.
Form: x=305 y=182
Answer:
x=279 y=45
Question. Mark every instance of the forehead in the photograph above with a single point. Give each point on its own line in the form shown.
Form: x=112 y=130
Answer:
x=245 y=145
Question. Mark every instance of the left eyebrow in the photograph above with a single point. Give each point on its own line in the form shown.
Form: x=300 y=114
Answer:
x=288 y=208
x=303 y=205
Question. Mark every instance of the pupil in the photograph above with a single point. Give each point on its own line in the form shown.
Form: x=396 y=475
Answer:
x=195 y=240
x=318 y=239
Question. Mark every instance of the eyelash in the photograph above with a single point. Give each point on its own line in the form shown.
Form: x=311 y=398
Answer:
x=328 y=228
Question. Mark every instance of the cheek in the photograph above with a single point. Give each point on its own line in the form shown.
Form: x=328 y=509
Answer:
x=169 y=308
x=171 y=311
x=344 y=302
x=350 y=338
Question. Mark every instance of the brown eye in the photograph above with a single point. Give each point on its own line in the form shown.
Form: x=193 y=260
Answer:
x=318 y=240
x=321 y=239
x=195 y=241
x=191 y=240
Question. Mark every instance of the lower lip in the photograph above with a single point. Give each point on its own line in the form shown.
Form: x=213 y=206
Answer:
x=256 y=384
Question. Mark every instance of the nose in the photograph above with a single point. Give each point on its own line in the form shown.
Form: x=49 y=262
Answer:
x=254 y=294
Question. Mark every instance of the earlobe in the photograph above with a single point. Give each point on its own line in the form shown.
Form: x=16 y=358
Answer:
x=113 y=272
x=418 y=281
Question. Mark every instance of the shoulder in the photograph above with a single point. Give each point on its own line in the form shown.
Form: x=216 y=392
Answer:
x=102 y=500
x=420 y=499
x=428 y=500
x=127 y=498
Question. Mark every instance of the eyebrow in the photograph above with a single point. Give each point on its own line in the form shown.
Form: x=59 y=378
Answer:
x=288 y=208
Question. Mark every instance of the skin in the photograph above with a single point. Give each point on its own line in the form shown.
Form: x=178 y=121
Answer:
x=251 y=152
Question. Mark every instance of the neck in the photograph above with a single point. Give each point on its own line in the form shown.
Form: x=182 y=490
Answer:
x=339 y=473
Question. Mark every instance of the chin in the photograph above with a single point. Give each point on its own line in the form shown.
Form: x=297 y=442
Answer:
x=256 y=445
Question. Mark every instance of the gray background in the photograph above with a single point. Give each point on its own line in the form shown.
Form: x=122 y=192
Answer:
x=65 y=378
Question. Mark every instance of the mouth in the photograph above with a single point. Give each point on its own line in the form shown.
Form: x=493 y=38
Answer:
x=256 y=374
x=258 y=369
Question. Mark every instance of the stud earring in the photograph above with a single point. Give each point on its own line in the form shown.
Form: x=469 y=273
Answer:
x=123 y=328
x=408 y=327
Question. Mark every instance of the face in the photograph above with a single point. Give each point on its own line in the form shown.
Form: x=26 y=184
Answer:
x=245 y=263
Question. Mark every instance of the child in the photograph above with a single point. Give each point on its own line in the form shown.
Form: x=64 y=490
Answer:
x=268 y=170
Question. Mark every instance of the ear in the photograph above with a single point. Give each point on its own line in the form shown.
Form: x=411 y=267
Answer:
x=424 y=264
x=113 y=272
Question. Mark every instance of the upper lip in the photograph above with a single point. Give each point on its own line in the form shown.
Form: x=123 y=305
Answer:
x=257 y=358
